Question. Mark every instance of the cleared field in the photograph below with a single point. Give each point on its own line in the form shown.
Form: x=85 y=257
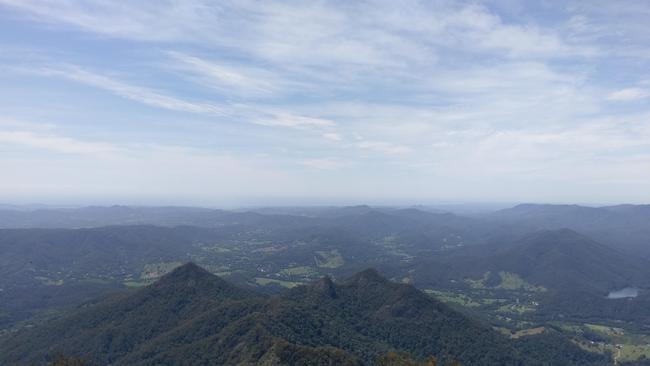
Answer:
x=516 y=309
x=216 y=249
x=298 y=271
x=49 y=281
x=479 y=283
x=329 y=259
x=137 y=283
x=605 y=330
x=624 y=352
x=634 y=352
x=451 y=297
x=512 y=281
x=626 y=346
x=508 y=281
x=528 y=332
x=392 y=247
x=267 y=281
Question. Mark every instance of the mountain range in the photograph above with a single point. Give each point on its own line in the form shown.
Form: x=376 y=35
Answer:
x=625 y=227
x=549 y=267
x=191 y=317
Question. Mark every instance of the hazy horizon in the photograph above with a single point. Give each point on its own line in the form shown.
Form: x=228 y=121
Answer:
x=242 y=103
x=450 y=206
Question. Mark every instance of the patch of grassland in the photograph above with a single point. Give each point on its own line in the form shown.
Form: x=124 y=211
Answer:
x=392 y=247
x=451 y=297
x=270 y=250
x=568 y=327
x=329 y=259
x=512 y=281
x=505 y=331
x=48 y=281
x=509 y=281
x=516 y=309
x=216 y=249
x=520 y=333
x=625 y=346
x=528 y=332
x=632 y=352
x=627 y=352
x=298 y=271
x=267 y=281
x=473 y=299
x=480 y=283
x=137 y=283
x=605 y=330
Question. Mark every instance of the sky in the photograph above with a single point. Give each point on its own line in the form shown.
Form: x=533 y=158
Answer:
x=222 y=103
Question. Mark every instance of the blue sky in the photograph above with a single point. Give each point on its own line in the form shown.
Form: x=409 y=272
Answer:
x=222 y=103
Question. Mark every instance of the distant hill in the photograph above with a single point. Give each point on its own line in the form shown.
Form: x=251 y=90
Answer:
x=554 y=259
x=419 y=228
x=50 y=268
x=97 y=216
x=626 y=227
x=193 y=317
x=565 y=273
x=566 y=259
x=46 y=268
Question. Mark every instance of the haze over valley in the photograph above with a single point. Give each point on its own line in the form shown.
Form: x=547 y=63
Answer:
x=514 y=271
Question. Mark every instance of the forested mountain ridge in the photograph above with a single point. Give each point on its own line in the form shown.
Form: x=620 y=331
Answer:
x=193 y=317
x=48 y=268
x=42 y=270
x=554 y=259
x=626 y=227
x=513 y=275
x=566 y=259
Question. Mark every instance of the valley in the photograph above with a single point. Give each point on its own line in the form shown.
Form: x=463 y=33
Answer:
x=547 y=281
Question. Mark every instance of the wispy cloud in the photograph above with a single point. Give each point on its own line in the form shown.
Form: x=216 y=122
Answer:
x=139 y=94
x=629 y=94
x=470 y=89
x=55 y=143
x=323 y=164
x=332 y=136
x=256 y=114
x=384 y=147
x=315 y=33
x=7 y=123
x=281 y=119
x=230 y=79
x=141 y=21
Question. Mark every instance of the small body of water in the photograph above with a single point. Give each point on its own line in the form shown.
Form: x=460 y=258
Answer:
x=623 y=293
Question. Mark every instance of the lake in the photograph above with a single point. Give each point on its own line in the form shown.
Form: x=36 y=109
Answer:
x=623 y=293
